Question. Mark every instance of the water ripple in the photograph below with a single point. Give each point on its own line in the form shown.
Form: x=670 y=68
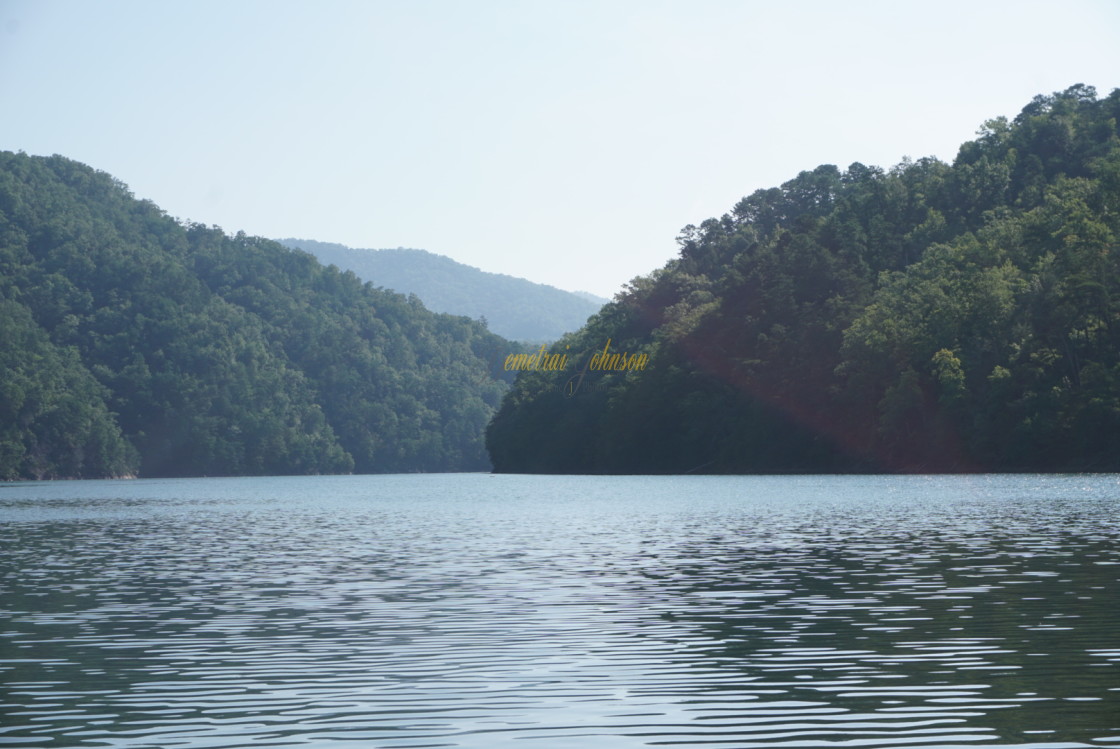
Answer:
x=478 y=611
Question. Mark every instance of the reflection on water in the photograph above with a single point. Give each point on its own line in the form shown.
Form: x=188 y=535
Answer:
x=481 y=611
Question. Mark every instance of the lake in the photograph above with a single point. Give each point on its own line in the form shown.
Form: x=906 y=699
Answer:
x=479 y=610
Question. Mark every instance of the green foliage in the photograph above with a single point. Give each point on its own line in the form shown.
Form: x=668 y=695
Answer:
x=932 y=317
x=54 y=421
x=134 y=344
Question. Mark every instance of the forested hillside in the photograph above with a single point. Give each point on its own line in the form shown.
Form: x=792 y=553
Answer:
x=132 y=344
x=514 y=308
x=930 y=317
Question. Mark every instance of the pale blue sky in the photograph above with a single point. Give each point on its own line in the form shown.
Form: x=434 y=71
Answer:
x=565 y=142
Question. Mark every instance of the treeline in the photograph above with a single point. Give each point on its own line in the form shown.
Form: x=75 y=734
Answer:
x=932 y=317
x=135 y=345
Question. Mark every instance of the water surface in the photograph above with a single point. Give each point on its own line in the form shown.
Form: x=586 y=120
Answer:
x=487 y=611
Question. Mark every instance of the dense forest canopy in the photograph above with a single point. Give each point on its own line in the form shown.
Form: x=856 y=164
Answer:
x=930 y=317
x=513 y=308
x=133 y=344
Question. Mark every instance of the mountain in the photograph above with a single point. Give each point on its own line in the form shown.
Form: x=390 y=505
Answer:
x=932 y=317
x=512 y=307
x=136 y=345
x=598 y=301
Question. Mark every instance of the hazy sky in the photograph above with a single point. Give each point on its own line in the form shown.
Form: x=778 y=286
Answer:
x=565 y=142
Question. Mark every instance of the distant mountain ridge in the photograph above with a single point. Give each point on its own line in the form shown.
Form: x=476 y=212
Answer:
x=514 y=308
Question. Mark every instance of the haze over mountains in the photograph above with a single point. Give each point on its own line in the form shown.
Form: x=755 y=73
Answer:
x=931 y=317
x=514 y=308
